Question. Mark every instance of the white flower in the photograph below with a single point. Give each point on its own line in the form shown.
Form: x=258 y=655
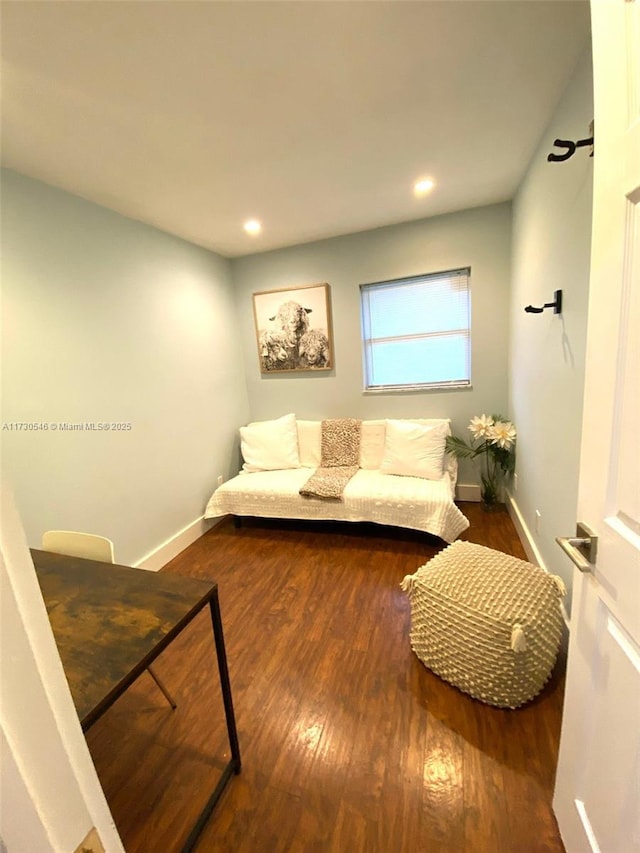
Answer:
x=481 y=426
x=502 y=433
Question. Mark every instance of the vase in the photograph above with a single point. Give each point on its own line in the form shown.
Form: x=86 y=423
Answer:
x=490 y=494
x=490 y=503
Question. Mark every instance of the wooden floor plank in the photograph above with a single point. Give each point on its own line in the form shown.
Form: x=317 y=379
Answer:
x=349 y=744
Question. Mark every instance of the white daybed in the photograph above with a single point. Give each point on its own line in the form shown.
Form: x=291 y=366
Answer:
x=281 y=455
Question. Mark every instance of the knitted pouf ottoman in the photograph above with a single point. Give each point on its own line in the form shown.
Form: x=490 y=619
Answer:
x=486 y=622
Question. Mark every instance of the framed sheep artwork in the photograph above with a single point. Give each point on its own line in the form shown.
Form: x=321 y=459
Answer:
x=293 y=329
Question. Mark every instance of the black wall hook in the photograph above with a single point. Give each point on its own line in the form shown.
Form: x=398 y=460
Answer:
x=571 y=148
x=556 y=305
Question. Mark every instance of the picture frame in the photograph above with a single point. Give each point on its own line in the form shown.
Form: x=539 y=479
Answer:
x=293 y=329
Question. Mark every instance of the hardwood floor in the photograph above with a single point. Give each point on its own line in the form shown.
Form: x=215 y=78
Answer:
x=349 y=744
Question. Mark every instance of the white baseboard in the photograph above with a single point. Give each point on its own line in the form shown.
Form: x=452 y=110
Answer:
x=160 y=556
x=528 y=543
x=468 y=492
x=524 y=534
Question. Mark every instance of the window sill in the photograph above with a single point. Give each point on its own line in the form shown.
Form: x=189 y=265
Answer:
x=416 y=389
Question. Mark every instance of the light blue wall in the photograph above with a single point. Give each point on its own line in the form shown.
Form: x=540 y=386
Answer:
x=479 y=238
x=551 y=250
x=108 y=320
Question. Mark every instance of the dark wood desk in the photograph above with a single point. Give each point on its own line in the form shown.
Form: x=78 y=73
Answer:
x=110 y=622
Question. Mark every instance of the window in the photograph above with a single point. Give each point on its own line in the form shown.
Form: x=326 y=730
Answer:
x=416 y=331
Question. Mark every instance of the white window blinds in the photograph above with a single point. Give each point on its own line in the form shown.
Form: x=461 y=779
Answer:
x=416 y=331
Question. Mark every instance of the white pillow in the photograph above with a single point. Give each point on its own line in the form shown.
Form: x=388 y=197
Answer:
x=270 y=445
x=372 y=445
x=413 y=450
x=309 y=443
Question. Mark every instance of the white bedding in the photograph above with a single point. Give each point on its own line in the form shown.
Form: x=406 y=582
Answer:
x=411 y=502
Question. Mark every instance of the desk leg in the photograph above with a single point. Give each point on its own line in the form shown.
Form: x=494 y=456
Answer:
x=233 y=766
x=224 y=681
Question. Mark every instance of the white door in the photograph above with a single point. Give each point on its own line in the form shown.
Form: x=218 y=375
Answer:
x=597 y=795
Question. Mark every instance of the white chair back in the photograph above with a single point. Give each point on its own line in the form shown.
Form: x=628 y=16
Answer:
x=74 y=544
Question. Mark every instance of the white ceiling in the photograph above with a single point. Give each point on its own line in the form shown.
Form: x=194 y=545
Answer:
x=315 y=117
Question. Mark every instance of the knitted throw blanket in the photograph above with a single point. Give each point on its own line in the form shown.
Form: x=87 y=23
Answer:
x=340 y=457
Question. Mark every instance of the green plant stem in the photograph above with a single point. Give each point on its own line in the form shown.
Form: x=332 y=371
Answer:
x=497 y=462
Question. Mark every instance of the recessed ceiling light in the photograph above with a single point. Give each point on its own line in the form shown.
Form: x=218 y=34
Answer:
x=252 y=226
x=423 y=186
